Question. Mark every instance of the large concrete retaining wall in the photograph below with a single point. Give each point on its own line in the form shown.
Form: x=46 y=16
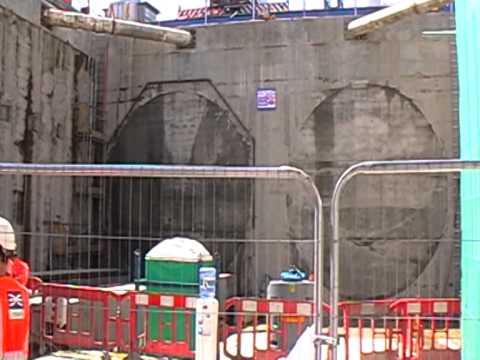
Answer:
x=388 y=96
x=27 y=9
x=340 y=101
x=45 y=107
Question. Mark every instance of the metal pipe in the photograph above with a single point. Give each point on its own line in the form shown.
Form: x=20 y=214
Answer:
x=391 y=14
x=438 y=33
x=154 y=171
x=395 y=167
x=73 y=20
x=318 y=275
x=206 y=12
x=187 y=171
x=137 y=261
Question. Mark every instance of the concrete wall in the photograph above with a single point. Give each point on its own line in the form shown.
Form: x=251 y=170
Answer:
x=340 y=101
x=27 y=9
x=45 y=102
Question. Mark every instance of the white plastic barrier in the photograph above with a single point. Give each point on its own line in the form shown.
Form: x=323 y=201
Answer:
x=304 y=348
x=206 y=329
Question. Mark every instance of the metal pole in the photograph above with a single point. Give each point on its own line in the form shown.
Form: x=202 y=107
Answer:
x=155 y=171
x=137 y=261
x=396 y=167
x=213 y=172
x=206 y=11
x=318 y=277
x=254 y=9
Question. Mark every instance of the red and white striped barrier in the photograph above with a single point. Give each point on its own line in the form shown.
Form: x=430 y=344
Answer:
x=273 y=8
x=263 y=329
x=249 y=328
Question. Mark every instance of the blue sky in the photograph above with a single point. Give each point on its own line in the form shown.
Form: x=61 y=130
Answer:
x=169 y=8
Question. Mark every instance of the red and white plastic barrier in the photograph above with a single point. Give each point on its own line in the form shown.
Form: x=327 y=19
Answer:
x=155 y=323
x=429 y=328
x=91 y=318
x=163 y=325
x=263 y=329
x=367 y=329
x=81 y=317
x=404 y=329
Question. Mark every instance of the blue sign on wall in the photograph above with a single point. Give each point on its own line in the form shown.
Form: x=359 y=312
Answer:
x=266 y=99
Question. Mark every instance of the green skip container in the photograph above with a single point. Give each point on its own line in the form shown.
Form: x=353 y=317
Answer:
x=172 y=267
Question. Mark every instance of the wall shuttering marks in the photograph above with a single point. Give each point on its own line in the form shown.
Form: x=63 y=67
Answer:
x=340 y=101
x=45 y=114
x=468 y=37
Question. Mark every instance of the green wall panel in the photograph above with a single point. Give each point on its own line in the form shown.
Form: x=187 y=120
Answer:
x=468 y=48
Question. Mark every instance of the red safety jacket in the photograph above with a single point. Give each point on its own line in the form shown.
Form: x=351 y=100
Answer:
x=20 y=270
x=14 y=319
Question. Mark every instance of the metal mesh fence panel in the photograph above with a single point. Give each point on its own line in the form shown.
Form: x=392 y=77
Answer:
x=396 y=260
x=87 y=238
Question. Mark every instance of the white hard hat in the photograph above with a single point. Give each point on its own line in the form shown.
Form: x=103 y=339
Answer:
x=7 y=236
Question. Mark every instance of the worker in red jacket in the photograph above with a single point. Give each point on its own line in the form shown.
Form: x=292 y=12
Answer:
x=14 y=302
x=19 y=269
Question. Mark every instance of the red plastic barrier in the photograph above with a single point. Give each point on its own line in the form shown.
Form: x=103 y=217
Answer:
x=368 y=327
x=91 y=318
x=83 y=317
x=263 y=329
x=33 y=284
x=161 y=317
x=428 y=325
